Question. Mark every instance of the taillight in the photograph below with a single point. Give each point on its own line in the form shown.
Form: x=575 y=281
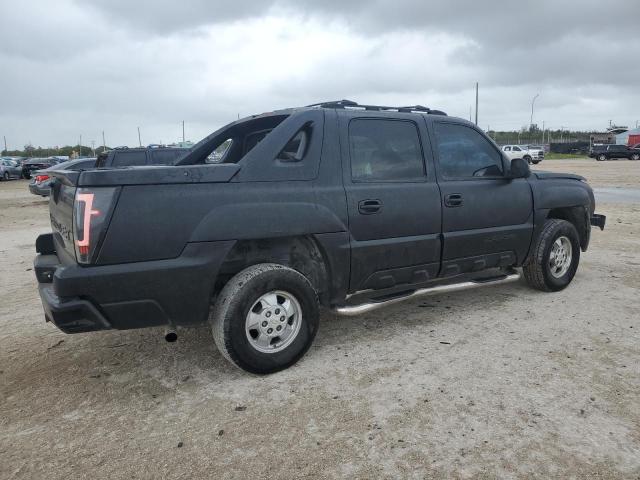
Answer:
x=91 y=211
x=41 y=178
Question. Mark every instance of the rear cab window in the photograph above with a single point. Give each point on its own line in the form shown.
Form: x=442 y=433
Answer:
x=129 y=158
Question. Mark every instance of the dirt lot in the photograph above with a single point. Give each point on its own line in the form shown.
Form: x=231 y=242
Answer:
x=501 y=382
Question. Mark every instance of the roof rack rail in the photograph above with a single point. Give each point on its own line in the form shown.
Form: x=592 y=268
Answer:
x=344 y=104
x=335 y=104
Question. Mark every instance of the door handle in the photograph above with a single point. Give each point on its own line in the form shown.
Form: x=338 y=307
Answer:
x=369 y=207
x=453 y=200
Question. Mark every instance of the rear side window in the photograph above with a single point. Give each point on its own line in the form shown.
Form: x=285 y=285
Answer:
x=465 y=153
x=385 y=150
x=295 y=148
x=129 y=159
x=220 y=152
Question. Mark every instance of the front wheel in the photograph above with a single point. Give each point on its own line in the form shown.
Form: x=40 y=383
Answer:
x=602 y=158
x=6 y=177
x=535 y=162
x=554 y=258
x=528 y=159
x=635 y=156
x=265 y=318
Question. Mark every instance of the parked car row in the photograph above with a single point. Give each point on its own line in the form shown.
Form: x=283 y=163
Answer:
x=530 y=153
x=607 y=152
x=10 y=168
x=41 y=182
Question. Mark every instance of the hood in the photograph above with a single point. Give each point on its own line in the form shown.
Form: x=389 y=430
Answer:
x=553 y=175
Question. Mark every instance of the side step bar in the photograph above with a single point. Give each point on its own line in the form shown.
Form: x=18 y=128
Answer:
x=454 y=287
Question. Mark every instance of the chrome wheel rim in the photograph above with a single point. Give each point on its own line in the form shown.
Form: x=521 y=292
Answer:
x=273 y=322
x=560 y=257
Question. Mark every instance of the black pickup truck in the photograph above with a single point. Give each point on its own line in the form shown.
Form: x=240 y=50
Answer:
x=346 y=206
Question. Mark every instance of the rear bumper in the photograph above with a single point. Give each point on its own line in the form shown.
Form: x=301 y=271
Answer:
x=39 y=189
x=124 y=296
x=598 y=221
x=71 y=315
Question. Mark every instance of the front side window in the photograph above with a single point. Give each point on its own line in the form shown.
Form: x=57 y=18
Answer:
x=385 y=150
x=465 y=153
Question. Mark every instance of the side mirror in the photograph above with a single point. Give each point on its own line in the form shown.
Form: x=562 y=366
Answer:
x=519 y=168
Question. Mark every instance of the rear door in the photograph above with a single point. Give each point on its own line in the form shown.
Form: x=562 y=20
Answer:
x=393 y=200
x=14 y=168
x=487 y=218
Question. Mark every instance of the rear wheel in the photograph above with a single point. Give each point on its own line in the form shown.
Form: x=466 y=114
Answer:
x=265 y=318
x=555 y=257
x=635 y=156
x=602 y=158
x=535 y=162
x=5 y=177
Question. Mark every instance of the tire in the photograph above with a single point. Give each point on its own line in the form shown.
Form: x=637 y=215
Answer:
x=535 y=162
x=527 y=158
x=635 y=156
x=539 y=271
x=601 y=158
x=6 y=176
x=244 y=294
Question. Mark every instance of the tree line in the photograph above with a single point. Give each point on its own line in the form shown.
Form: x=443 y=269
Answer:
x=30 y=151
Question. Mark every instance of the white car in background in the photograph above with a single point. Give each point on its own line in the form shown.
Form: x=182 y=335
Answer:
x=530 y=153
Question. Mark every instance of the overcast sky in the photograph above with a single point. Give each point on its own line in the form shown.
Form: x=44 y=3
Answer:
x=71 y=68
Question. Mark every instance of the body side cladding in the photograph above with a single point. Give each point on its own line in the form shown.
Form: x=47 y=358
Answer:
x=249 y=221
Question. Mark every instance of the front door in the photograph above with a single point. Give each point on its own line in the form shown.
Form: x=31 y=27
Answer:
x=393 y=201
x=487 y=218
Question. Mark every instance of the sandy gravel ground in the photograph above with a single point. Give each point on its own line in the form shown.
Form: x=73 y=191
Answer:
x=501 y=382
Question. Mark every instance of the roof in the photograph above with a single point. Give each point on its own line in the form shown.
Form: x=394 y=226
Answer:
x=349 y=104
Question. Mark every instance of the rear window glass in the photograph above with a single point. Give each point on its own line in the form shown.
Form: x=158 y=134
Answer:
x=253 y=139
x=165 y=157
x=129 y=159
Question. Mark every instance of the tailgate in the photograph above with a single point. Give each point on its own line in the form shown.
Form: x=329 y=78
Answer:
x=63 y=191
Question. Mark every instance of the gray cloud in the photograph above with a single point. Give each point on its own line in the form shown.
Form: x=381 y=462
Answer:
x=83 y=66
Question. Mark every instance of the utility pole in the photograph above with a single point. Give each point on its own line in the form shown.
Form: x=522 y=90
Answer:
x=532 y=102
x=139 y=138
x=104 y=144
x=476 y=103
x=80 y=147
x=542 y=131
x=470 y=109
x=93 y=147
x=561 y=134
x=182 y=131
x=6 y=150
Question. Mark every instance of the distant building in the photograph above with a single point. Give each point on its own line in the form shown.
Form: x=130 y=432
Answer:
x=630 y=137
x=610 y=136
x=605 y=137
